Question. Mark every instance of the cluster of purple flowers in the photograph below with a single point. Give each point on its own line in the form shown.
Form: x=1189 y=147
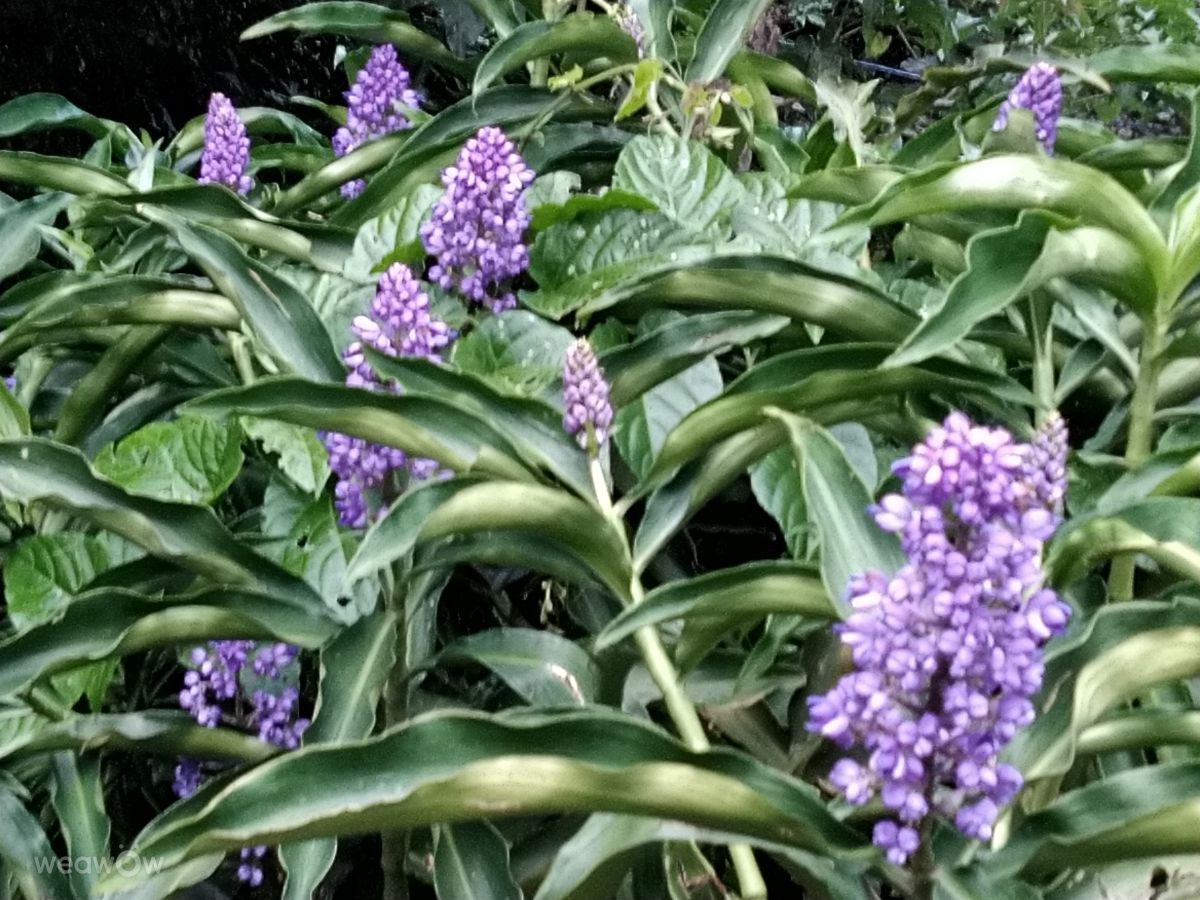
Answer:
x=947 y=652
x=226 y=147
x=587 y=411
x=1039 y=91
x=376 y=105
x=399 y=324
x=212 y=693
x=476 y=232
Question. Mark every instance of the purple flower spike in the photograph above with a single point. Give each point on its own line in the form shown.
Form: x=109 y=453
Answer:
x=477 y=230
x=376 y=105
x=947 y=652
x=226 y=147
x=399 y=323
x=1039 y=91
x=587 y=412
x=187 y=778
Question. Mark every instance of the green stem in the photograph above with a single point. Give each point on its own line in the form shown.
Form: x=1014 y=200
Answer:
x=679 y=705
x=394 y=844
x=1140 y=440
x=1043 y=358
x=923 y=863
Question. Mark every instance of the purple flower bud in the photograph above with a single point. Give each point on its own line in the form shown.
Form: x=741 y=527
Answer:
x=226 y=147
x=948 y=650
x=376 y=105
x=627 y=19
x=1039 y=91
x=587 y=412
x=476 y=231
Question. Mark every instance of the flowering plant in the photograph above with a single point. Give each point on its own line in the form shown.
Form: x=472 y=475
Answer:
x=573 y=471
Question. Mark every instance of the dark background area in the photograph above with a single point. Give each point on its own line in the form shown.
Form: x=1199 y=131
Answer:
x=152 y=63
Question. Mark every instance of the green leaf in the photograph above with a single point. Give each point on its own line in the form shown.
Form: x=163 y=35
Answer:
x=20 y=229
x=259 y=120
x=1017 y=182
x=641 y=427
x=543 y=668
x=470 y=862
x=806 y=380
x=471 y=763
x=14 y=418
x=77 y=793
x=571 y=208
x=22 y=845
x=354 y=669
x=1008 y=263
x=366 y=21
x=1167 y=529
x=394 y=536
x=1178 y=63
x=516 y=351
x=187 y=460
x=732 y=597
x=165 y=732
x=574 y=262
x=1144 y=812
x=74 y=300
x=678 y=345
x=684 y=179
x=1122 y=652
x=392 y=236
x=582 y=33
x=594 y=862
x=535 y=512
x=837 y=501
x=311 y=545
x=725 y=30
x=37 y=470
x=695 y=484
x=775 y=481
x=46 y=571
x=423 y=426
x=845 y=304
x=110 y=622
x=531 y=427
x=281 y=317
x=59 y=174
x=299 y=455
x=851 y=111
x=645 y=76
x=39 y=112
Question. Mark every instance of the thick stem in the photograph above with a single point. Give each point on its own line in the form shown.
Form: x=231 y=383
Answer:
x=923 y=863
x=1140 y=440
x=394 y=844
x=679 y=705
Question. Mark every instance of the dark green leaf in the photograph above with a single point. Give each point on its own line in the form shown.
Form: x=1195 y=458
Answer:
x=77 y=793
x=470 y=862
x=22 y=845
x=36 y=470
x=732 y=597
x=281 y=317
x=365 y=21
x=543 y=668
x=728 y=25
x=114 y=622
x=20 y=237
x=583 y=33
x=600 y=761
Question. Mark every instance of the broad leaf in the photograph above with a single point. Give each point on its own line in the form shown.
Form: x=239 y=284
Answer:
x=187 y=460
x=543 y=668
x=686 y=181
x=728 y=25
